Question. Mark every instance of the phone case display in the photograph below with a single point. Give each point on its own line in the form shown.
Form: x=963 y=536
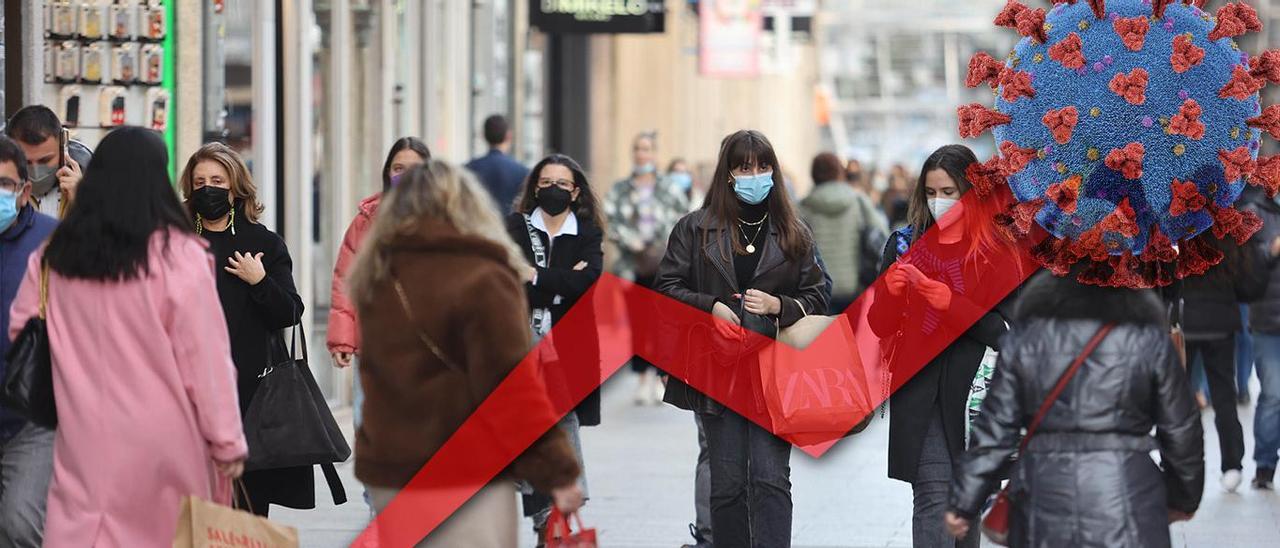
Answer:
x=111 y=106
x=154 y=25
x=124 y=63
x=67 y=62
x=70 y=99
x=158 y=109
x=93 y=17
x=62 y=20
x=123 y=17
x=95 y=60
x=50 y=62
x=152 y=64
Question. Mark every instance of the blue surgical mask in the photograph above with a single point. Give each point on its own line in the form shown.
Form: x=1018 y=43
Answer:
x=8 y=209
x=646 y=169
x=682 y=181
x=753 y=189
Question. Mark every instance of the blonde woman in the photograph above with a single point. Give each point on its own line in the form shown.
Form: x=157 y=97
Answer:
x=430 y=359
x=255 y=287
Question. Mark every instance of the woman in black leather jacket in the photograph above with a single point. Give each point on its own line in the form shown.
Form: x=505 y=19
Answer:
x=1087 y=478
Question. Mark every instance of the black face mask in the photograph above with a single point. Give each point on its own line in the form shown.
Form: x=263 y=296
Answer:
x=211 y=203
x=855 y=176
x=554 y=200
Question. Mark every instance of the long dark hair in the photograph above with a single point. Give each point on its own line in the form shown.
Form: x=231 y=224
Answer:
x=979 y=215
x=125 y=197
x=404 y=143
x=722 y=205
x=586 y=207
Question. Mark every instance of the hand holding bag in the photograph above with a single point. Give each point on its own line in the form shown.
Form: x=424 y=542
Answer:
x=560 y=534
x=204 y=524
x=28 y=379
x=995 y=526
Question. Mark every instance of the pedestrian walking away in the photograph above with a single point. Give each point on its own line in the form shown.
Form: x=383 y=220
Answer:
x=438 y=237
x=927 y=415
x=255 y=289
x=1085 y=478
x=747 y=227
x=846 y=227
x=500 y=174
x=26 y=449
x=125 y=267
x=1264 y=321
x=557 y=225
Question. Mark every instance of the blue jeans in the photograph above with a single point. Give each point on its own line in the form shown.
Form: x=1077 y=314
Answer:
x=750 y=483
x=1244 y=352
x=1266 y=418
x=26 y=465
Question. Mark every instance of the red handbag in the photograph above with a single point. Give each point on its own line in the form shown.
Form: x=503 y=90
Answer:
x=995 y=525
x=560 y=534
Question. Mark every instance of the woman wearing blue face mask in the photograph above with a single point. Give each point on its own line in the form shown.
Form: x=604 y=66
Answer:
x=929 y=412
x=745 y=252
x=682 y=178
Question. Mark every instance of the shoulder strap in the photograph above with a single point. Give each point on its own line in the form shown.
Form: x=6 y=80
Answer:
x=44 y=290
x=1062 y=384
x=408 y=312
x=535 y=242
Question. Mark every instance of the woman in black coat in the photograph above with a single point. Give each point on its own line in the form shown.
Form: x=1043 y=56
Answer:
x=558 y=207
x=745 y=252
x=255 y=285
x=1087 y=478
x=928 y=412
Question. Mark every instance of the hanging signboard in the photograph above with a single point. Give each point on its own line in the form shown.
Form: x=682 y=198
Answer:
x=597 y=16
x=729 y=38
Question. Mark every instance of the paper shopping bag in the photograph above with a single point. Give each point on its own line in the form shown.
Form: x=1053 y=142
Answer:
x=204 y=524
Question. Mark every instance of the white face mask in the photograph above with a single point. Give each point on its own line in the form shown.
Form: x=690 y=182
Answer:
x=939 y=208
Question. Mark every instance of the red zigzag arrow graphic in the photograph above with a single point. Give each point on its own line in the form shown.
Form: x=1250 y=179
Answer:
x=683 y=342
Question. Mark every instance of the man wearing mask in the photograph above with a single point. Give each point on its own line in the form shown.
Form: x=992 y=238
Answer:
x=26 y=450
x=641 y=210
x=55 y=172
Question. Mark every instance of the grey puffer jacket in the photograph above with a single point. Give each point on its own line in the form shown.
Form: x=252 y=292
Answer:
x=1087 y=478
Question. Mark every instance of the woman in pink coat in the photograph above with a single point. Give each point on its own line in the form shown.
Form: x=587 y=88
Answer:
x=142 y=372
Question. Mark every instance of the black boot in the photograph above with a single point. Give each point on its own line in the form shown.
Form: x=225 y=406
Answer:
x=1264 y=478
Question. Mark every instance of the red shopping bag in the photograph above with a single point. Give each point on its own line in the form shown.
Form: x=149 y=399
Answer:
x=560 y=534
x=815 y=402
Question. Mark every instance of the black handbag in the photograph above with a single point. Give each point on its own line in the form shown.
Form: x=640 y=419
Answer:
x=288 y=422
x=28 y=378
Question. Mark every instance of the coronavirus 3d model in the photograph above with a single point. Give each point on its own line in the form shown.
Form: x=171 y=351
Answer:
x=1127 y=130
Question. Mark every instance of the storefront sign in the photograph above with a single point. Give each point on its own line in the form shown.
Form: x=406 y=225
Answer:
x=597 y=16
x=729 y=41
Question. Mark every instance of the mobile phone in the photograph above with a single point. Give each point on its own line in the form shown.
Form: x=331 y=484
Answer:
x=63 y=137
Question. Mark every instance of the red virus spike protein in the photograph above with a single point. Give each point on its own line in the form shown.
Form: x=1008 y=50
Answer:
x=1267 y=175
x=1234 y=20
x=1061 y=123
x=1015 y=85
x=1132 y=86
x=1065 y=194
x=1015 y=157
x=1030 y=23
x=1186 y=198
x=1185 y=54
x=984 y=68
x=976 y=119
x=1266 y=67
x=1187 y=121
x=1008 y=17
x=1158 y=7
x=1127 y=160
x=1133 y=31
x=1069 y=52
x=1268 y=121
x=985 y=176
x=1242 y=85
x=1237 y=163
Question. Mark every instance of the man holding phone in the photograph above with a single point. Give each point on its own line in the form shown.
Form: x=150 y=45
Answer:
x=54 y=161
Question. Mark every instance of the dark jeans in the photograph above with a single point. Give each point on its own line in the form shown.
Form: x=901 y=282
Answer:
x=750 y=483
x=930 y=492
x=1219 y=357
x=702 y=487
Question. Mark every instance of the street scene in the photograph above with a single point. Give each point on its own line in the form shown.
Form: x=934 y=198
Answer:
x=639 y=273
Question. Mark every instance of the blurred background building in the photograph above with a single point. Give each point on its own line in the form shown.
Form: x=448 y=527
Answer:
x=313 y=92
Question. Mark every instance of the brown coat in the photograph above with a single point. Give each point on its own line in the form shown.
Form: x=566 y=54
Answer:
x=467 y=299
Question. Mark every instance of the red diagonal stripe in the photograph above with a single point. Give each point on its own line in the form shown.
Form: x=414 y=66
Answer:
x=682 y=341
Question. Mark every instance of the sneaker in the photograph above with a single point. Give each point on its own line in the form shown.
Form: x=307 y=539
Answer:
x=1231 y=480
x=643 y=391
x=659 y=390
x=1243 y=398
x=1264 y=479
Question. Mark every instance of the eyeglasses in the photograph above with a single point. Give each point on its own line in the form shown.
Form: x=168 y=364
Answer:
x=9 y=184
x=563 y=184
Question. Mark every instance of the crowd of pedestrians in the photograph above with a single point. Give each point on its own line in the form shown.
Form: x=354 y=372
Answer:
x=184 y=297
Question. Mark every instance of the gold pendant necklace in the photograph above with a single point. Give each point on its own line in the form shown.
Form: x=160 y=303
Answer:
x=751 y=242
